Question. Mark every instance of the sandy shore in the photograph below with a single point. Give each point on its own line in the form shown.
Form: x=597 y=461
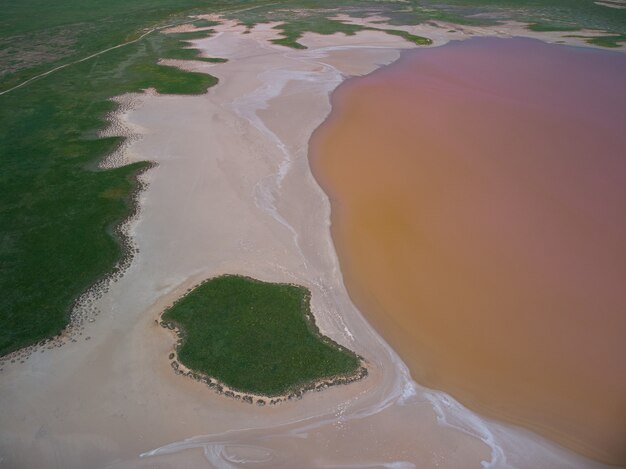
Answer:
x=233 y=193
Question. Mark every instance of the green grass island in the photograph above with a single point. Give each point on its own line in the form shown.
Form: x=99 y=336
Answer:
x=255 y=341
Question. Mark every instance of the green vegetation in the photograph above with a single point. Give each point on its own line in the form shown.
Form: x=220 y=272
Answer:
x=202 y=23
x=608 y=41
x=57 y=211
x=419 y=40
x=293 y=30
x=547 y=27
x=603 y=41
x=579 y=14
x=255 y=337
x=37 y=35
x=543 y=15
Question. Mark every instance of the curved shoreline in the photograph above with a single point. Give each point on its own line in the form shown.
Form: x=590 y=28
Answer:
x=440 y=401
x=388 y=219
x=199 y=219
x=83 y=309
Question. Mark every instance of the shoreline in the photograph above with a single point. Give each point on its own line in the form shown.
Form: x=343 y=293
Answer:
x=355 y=107
x=126 y=355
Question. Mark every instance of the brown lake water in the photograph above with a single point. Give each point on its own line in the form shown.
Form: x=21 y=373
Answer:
x=478 y=196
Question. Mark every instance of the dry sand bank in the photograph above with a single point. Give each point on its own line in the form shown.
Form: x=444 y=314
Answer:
x=233 y=193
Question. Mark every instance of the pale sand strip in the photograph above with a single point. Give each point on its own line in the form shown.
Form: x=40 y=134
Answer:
x=232 y=193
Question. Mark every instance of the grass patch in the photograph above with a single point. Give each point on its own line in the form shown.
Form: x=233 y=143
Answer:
x=608 y=41
x=203 y=23
x=419 y=40
x=293 y=30
x=255 y=337
x=602 y=41
x=548 y=27
x=57 y=213
x=288 y=42
x=581 y=14
x=178 y=47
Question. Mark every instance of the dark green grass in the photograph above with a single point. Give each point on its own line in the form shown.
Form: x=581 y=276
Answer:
x=36 y=35
x=293 y=31
x=548 y=27
x=608 y=41
x=57 y=213
x=603 y=41
x=578 y=14
x=202 y=23
x=255 y=337
x=419 y=40
x=541 y=15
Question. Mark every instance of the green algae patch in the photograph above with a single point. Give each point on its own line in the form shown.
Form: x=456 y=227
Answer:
x=256 y=337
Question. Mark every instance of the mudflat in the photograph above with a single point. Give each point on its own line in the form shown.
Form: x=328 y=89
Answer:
x=478 y=195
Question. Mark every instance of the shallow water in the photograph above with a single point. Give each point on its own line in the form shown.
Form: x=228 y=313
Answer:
x=478 y=196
